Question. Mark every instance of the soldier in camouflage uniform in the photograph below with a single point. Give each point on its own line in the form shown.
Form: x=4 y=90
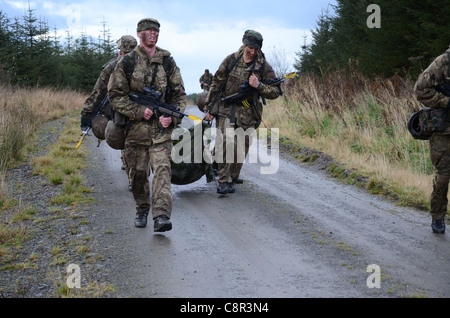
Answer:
x=428 y=93
x=148 y=139
x=206 y=80
x=247 y=64
x=125 y=44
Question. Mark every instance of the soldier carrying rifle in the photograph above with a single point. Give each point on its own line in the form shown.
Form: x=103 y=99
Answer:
x=432 y=90
x=148 y=138
x=206 y=80
x=247 y=65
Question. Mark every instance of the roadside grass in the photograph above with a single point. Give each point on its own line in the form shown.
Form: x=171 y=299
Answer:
x=362 y=124
x=62 y=166
x=22 y=112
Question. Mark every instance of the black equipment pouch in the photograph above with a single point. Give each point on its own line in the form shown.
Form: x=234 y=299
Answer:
x=120 y=120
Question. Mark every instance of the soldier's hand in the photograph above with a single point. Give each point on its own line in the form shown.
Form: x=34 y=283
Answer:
x=148 y=114
x=253 y=81
x=165 y=121
x=209 y=117
x=86 y=120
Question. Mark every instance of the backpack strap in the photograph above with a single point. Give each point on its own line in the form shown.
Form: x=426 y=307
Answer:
x=129 y=62
x=168 y=65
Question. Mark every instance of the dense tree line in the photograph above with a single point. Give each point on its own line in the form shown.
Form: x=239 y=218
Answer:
x=410 y=35
x=31 y=54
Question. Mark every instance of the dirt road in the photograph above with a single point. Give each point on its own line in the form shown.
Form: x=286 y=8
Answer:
x=296 y=233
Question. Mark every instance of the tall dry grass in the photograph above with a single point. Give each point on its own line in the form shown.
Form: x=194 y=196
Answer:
x=22 y=111
x=362 y=123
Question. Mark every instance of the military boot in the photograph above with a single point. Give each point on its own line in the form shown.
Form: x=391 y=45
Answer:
x=231 y=188
x=438 y=226
x=222 y=188
x=141 y=219
x=162 y=224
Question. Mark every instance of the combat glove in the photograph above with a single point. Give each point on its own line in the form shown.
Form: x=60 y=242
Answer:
x=86 y=120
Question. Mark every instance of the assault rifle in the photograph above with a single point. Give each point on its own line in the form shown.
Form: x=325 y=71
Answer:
x=246 y=90
x=152 y=99
x=85 y=130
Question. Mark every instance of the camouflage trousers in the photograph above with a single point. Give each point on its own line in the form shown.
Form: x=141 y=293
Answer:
x=229 y=169
x=440 y=157
x=140 y=159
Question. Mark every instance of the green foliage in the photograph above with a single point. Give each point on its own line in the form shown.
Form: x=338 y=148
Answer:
x=412 y=33
x=192 y=99
x=31 y=55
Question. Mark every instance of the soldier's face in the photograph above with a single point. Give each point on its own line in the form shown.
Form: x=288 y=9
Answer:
x=251 y=52
x=149 y=37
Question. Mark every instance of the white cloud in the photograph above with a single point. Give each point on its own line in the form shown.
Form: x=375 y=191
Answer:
x=205 y=46
x=21 y=4
x=199 y=34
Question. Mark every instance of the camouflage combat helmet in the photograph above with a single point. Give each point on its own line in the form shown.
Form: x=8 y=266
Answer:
x=126 y=44
x=253 y=38
x=427 y=121
x=115 y=136
x=415 y=129
x=99 y=123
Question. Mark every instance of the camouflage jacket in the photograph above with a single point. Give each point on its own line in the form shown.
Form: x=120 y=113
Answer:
x=93 y=102
x=239 y=74
x=122 y=81
x=436 y=74
x=206 y=78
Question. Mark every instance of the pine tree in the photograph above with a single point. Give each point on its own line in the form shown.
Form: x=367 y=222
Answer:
x=412 y=33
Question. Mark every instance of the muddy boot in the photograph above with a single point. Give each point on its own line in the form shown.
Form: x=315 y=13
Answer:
x=438 y=226
x=222 y=188
x=231 y=188
x=162 y=224
x=141 y=219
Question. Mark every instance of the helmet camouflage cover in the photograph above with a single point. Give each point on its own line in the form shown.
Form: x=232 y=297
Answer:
x=126 y=44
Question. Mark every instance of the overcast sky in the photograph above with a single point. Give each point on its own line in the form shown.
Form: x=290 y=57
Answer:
x=198 y=33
